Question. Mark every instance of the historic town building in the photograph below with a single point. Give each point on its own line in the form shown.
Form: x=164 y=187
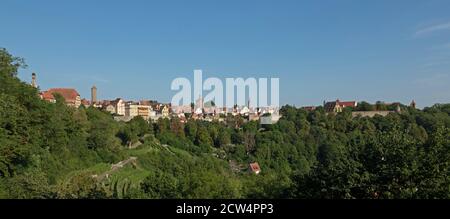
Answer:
x=119 y=106
x=337 y=106
x=71 y=96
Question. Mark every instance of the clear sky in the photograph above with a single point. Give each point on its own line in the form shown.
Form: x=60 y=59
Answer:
x=321 y=50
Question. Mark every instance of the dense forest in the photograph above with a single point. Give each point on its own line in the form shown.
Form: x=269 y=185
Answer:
x=49 y=150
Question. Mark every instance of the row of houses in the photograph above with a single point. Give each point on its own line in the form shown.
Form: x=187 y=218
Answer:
x=124 y=110
x=209 y=112
x=118 y=107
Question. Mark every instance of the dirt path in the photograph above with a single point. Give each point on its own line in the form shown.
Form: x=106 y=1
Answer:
x=116 y=167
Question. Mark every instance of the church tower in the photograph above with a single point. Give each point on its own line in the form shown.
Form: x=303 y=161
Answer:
x=33 y=80
x=93 y=95
x=413 y=104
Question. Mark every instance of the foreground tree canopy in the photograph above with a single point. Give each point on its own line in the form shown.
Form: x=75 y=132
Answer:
x=54 y=151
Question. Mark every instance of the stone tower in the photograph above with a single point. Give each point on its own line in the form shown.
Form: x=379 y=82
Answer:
x=33 y=80
x=413 y=104
x=93 y=95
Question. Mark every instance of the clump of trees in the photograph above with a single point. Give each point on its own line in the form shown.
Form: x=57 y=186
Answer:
x=44 y=146
x=41 y=142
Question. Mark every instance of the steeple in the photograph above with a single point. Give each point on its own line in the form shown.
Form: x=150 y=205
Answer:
x=413 y=104
x=33 y=80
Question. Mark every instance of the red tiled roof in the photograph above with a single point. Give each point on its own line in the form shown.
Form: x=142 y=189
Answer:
x=255 y=167
x=69 y=94
x=348 y=103
x=340 y=103
x=47 y=95
x=145 y=102
x=85 y=102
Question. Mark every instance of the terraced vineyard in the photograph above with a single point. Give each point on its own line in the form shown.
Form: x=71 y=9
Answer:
x=141 y=162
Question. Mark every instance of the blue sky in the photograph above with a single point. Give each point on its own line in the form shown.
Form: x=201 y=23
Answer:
x=321 y=50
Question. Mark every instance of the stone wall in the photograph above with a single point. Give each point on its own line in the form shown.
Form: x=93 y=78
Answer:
x=370 y=113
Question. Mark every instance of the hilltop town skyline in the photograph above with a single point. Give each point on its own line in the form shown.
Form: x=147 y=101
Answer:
x=94 y=98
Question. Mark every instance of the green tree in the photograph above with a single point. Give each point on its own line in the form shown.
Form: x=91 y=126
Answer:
x=160 y=185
